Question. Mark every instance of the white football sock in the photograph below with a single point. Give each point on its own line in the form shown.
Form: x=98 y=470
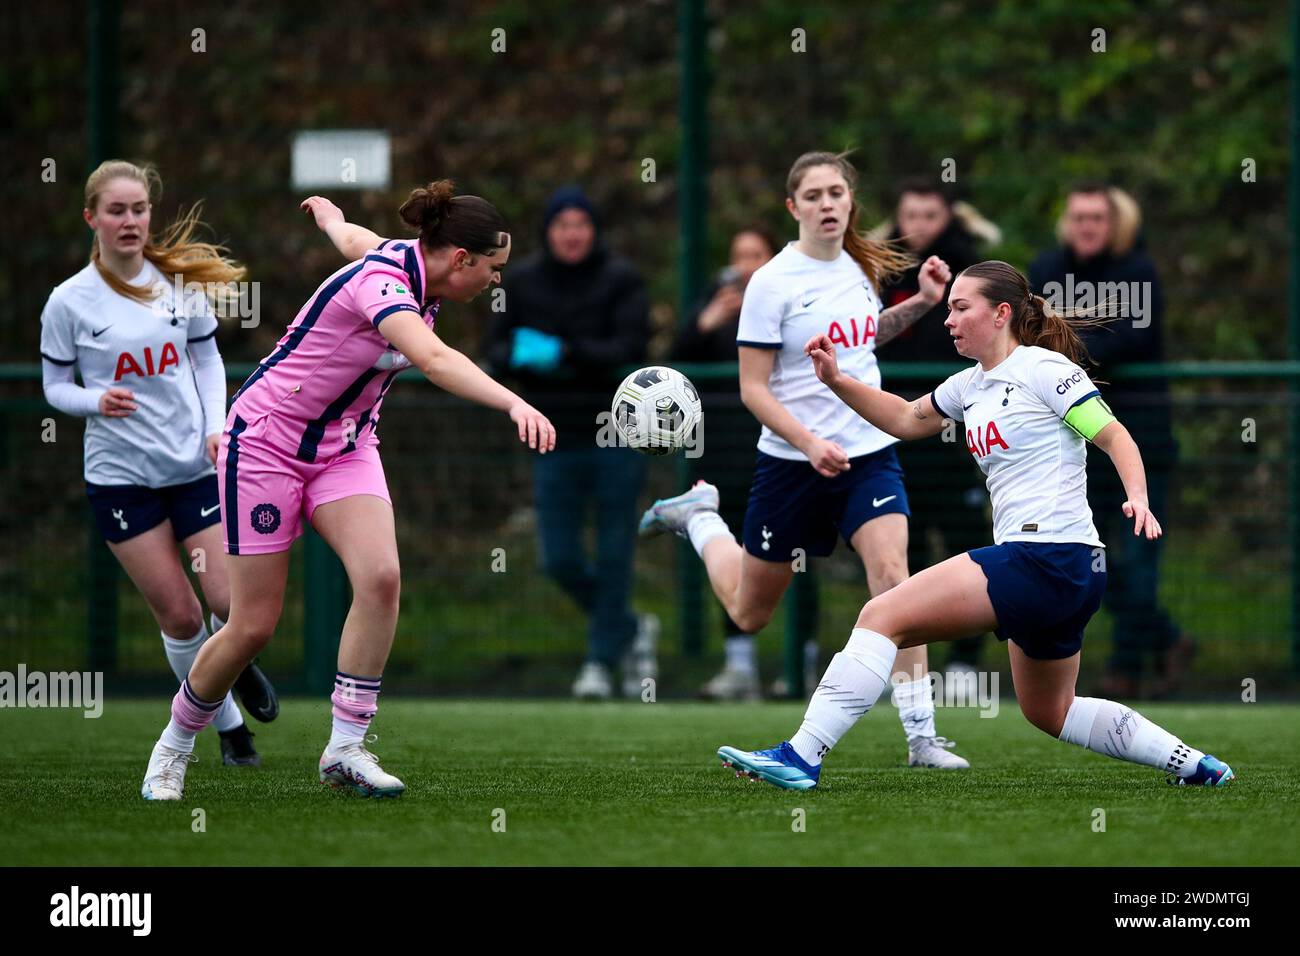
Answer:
x=182 y=651
x=1106 y=727
x=345 y=732
x=181 y=654
x=177 y=737
x=915 y=702
x=215 y=623
x=740 y=654
x=229 y=716
x=852 y=684
x=704 y=527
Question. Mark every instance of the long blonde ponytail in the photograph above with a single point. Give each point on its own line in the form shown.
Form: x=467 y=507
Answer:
x=176 y=251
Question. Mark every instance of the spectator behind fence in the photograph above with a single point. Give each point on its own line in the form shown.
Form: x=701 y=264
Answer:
x=575 y=314
x=1101 y=243
x=948 y=500
x=708 y=334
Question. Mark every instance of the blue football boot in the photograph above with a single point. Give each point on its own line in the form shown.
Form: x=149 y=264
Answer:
x=1210 y=772
x=780 y=766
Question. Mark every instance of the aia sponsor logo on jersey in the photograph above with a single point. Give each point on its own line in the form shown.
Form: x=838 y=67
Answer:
x=861 y=334
x=984 y=439
x=128 y=365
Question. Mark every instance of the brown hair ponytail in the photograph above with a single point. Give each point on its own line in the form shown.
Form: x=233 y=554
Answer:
x=879 y=260
x=1033 y=319
x=176 y=252
x=445 y=219
x=1039 y=324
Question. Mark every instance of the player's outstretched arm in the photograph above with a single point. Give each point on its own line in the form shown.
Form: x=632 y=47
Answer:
x=888 y=412
x=452 y=371
x=1115 y=440
x=933 y=278
x=349 y=238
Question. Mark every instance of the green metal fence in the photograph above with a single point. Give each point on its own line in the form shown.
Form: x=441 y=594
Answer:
x=461 y=487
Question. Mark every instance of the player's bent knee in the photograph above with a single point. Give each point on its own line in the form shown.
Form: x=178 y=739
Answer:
x=254 y=644
x=876 y=617
x=381 y=586
x=752 y=620
x=181 y=623
x=247 y=640
x=891 y=577
x=1049 y=718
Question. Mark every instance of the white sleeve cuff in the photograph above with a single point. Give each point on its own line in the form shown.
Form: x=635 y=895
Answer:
x=210 y=378
x=63 y=392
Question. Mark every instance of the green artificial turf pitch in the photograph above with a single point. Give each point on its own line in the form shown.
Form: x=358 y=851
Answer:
x=635 y=783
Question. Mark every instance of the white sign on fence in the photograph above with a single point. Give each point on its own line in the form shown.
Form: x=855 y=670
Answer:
x=341 y=159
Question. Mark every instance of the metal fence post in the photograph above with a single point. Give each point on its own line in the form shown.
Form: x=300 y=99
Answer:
x=325 y=597
x=793 y=651
x=690 y=582
x=101 y=605
x=102 y=567
x=1294 y=344
x=103 y=73
x=691 y=198
x=802 y=610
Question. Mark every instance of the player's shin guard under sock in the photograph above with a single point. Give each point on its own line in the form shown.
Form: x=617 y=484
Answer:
x=852 y=684
x=704 y=527
x=181 y=654
x=1106 y=727
x=915 y=704
x=355 y=701
x=190 y=714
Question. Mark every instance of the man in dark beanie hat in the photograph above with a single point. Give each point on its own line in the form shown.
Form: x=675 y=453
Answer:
x=574 y=314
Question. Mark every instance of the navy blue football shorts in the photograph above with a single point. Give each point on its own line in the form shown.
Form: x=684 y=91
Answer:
x=124 y=511
x=1043 y=594
x=792 y=507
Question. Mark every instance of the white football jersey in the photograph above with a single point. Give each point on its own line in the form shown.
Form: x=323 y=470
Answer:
x=790 y=299
x=116 y=341
x=1012 y=415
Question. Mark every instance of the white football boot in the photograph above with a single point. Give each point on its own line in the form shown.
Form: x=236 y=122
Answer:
x=672 y=514
x=164 y=779
x=594 y=682
x=732 y=683
x=933 y=752
x=352 y=765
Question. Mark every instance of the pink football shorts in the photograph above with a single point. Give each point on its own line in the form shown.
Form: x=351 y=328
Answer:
x=265 y=491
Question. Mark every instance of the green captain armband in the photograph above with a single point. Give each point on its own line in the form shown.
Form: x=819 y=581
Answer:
x=1089 y=417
